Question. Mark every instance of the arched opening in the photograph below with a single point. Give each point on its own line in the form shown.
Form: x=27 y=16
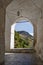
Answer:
x=10 y=20
x=14 y=15
x=22 y=35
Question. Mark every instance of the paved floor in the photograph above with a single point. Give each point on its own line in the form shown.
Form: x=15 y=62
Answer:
x=22 y=59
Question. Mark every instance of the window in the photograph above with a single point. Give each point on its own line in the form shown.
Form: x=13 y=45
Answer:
x=22 y=35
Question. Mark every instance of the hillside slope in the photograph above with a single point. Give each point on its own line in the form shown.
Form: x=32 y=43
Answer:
x=25 y=34
x=23 y=39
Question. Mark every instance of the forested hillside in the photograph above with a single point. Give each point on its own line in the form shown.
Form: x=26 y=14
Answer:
x=23 y=39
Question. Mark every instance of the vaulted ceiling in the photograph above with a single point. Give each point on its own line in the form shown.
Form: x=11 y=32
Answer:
x=32 y=9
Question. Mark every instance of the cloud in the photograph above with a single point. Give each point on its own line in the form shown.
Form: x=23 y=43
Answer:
x=31 y=34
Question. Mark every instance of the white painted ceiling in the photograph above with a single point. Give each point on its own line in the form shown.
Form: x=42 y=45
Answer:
x=31 y=9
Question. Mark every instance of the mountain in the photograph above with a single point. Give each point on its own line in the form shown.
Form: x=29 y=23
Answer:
x=25 y=34
x=23 y=39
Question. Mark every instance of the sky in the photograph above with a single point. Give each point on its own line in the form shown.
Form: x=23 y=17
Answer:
x=24 y=26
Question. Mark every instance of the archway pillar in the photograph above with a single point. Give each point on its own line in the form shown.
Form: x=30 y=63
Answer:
x=34 y=22
x=2 y=35
x=35 y=35
x=3 y=5
x=39 y=45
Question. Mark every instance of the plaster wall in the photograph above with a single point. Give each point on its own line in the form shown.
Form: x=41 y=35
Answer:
x=11 y=18
x=2 y=33
x=39 y=45
x=31 y=12
x=5 y=27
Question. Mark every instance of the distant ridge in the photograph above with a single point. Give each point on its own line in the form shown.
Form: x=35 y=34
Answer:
x=25 y=34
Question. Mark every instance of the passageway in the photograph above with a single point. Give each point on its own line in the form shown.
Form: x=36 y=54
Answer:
x=12 y=11
x=22 y=59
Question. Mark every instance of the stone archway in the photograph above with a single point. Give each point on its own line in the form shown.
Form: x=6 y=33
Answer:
x=34 y=15
x=13 y=28
x=7 y=46
x=12 y=18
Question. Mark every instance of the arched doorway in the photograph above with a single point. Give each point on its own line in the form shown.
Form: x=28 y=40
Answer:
x=22 y=35
x=12 y=17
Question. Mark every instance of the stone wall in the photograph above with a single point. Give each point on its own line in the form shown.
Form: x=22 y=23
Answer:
x=32 y=12
x=39 y=45
x=11 y=18
x=3 y=4
x=2 y=33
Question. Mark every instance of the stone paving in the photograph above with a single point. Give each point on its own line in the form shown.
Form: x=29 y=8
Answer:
x=22 y=59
